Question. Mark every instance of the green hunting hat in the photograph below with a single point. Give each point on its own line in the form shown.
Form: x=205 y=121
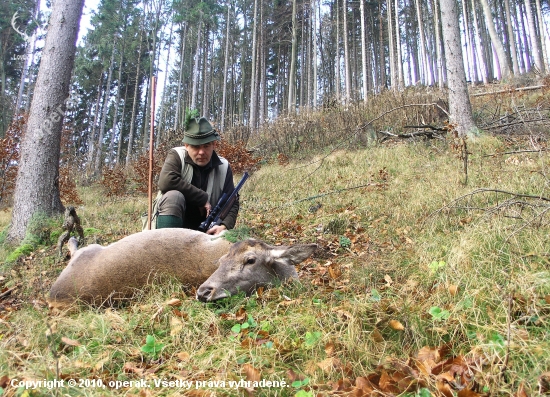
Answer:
x=199 y=132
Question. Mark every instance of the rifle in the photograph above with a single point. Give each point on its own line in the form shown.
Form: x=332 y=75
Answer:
x=220 y=211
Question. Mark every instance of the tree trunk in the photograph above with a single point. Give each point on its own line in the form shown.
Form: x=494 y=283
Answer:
x=37 y=184
x=535 y=48
x=253 y=81
x=225 y=68
x=347 y=71
x=542 y=36
x=497 y=43
x=99 y=150
x=162 y=106
x=134 y=104
x=511 y=38
x=194 y=92
x=459 y=100
x=178 y=100
x=292 y=74
x=479 y=47
x=391 y=47
x=438 y=52
x=364 y=52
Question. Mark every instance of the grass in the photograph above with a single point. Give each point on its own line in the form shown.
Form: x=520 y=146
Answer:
x=397 y=250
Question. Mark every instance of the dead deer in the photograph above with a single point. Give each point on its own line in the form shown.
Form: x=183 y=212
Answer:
x=98 y=274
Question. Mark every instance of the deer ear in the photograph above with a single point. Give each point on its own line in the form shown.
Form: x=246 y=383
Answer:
x=294 y=254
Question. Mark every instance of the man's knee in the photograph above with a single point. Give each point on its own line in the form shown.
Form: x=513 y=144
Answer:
x=172 y=203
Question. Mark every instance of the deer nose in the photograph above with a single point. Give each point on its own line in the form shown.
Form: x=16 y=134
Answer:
x=204 y=293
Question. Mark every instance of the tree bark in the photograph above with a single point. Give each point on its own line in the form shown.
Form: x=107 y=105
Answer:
x=292 y=74
x=497 y=43
x=37 y=184
x=535 y=48
x=459 y=100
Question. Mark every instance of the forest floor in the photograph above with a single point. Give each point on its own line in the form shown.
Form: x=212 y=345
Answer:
x=425 y=283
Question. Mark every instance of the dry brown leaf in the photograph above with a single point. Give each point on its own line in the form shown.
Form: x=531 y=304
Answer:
x=387 y=384
x=388 y=279
x=428 y=358
x=131 y=367
x=69 y=341
x=328 y=364
x=444 y=388
x=183 y=356
x=468 y=393
x=157 y=313
x=334 y=271
x=241 y=314
x=376 y=336
x=547 y=299
x=396 y=325
x=252 y=374
x=329 y=349
x=173 y=302
x=453 y=289
x=4 y=381
x=176 y=325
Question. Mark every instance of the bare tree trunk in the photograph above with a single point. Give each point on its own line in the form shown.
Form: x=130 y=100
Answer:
x=163 y=97
x=315 y=52
x=292 y=74
x=423 y=56
x=225 y=67
x=37 y=184
x=535 y=48
x=497 y=43
x=178 y=101
x=99 y=150
x=347 y=73
x=391 y=46
x=399 y=60
x=120 y=135
x=511 y=38
x=91 y=136
x=134 y=104
x=364 y=52
x=253 y=99
x=438 y=52
x=479 y=47
x=459 y=100
x=196 y=68
x=542 y=36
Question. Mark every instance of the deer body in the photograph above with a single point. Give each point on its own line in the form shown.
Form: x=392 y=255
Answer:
x=96 y=273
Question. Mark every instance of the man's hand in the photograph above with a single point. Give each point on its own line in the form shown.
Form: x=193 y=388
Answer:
x=216 y=229
x=205 y=211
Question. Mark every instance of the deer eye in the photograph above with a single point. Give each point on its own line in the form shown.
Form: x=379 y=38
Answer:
x=251 y=260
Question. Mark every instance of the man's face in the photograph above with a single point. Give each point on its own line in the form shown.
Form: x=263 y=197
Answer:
x=201 y=154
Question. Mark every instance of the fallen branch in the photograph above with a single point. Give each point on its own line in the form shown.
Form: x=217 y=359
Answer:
x=509 y=90
x=515 y=152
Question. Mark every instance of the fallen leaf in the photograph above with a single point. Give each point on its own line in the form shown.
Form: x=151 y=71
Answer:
x=328 y=364
x=241 y=314
x=176 y=325
x=183 y=356
x=396 y=325
x=252 y=374
x=173 y=302
x=70 y=342
x=132 y=368
x=453 y=290
x=468 y=393
x=388 y=279
x=329 y=349
x=376 y=336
